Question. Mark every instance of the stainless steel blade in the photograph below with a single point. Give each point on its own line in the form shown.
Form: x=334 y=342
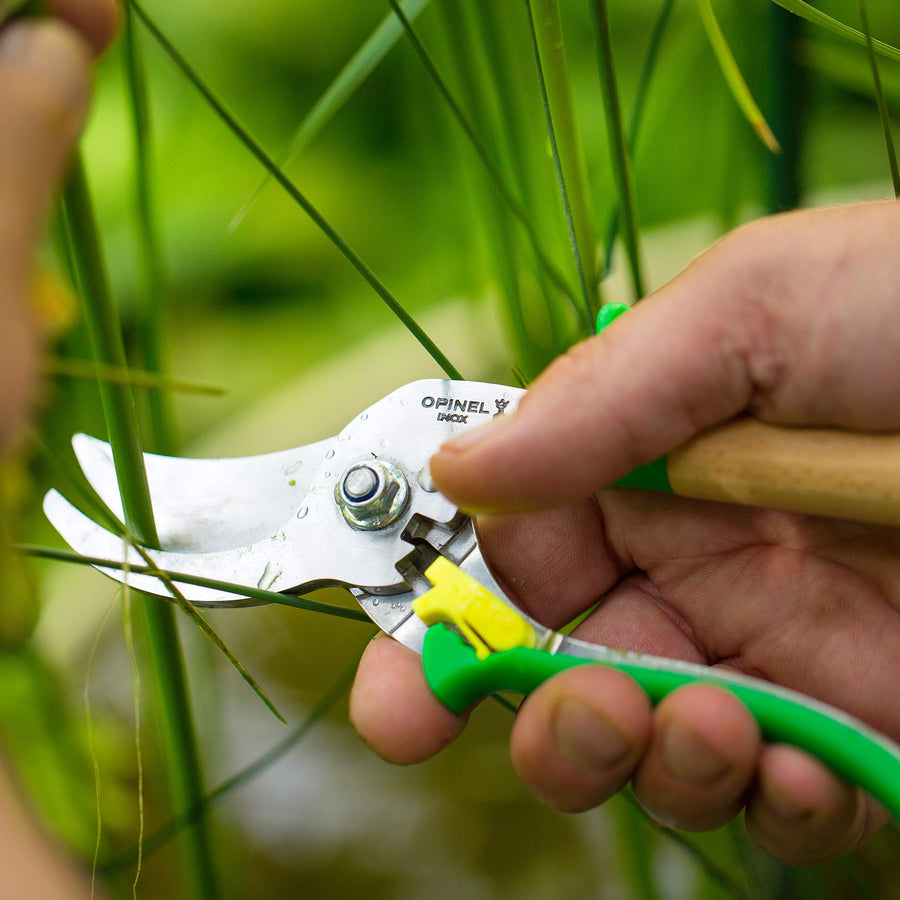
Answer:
x=210 y=504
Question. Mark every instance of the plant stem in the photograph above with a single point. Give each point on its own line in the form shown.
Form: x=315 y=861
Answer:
x=882 y=103
x=654 y=45
x=562 y=130
x=102 y=319
x=297 y=602
x=183 y=763
x=635 y=850
x=618 y=148
x=786 y=109
x=162 y=420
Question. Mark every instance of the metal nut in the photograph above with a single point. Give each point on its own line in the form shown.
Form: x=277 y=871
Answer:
x=372 y=494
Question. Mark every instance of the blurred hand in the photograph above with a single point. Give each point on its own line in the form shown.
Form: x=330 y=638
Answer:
x=44 y=86
x=795 y=319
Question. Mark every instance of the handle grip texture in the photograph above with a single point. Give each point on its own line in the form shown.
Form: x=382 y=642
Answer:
x=849 y=747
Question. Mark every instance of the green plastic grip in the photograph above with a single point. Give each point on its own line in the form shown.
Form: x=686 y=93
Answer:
x=850 y=748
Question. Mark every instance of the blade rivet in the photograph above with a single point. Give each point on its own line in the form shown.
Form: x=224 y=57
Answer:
x=371 y=494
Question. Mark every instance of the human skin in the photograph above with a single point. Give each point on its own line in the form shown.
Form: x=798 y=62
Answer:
x=44 y=90
x=794 y=319
x=45 y=79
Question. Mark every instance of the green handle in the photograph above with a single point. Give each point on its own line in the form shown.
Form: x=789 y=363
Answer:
x=851 y=749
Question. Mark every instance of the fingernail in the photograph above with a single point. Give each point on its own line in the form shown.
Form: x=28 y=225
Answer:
x=585 y=740
x=688 y=757
x=50 y=51
x=478 y=434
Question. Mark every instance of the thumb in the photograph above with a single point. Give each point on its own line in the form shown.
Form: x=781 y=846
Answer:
x=44 y=88
x=790 y=318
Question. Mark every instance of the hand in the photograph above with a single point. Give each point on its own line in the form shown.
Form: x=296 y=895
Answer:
x=44 y=68
x=44 y=86
x=794 y=319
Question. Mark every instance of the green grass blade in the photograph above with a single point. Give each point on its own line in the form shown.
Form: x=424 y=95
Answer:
x=733 y=77
x=787 y=103
x=92 y=745
x=66 y=367
x=713 y=871
x=162 y=429
x=811 y=14
x=128 y=628
x=102 y=320
x=239 y=590
x=359 y=67
x=882 y=103
x=101 y=316
x=635 y=851
x=648 y=69
x=294 y=192
x=621 y=162
x=207 y=630
x=565 y=146
x=493 y=170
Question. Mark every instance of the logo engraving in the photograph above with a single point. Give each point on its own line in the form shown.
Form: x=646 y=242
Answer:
x=449 y=409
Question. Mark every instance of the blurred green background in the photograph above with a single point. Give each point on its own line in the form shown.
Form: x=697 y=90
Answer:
x=270 y=312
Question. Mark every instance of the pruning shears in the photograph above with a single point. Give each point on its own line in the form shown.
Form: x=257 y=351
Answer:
x=360 y=510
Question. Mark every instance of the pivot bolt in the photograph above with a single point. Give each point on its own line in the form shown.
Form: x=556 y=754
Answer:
x=372 y=494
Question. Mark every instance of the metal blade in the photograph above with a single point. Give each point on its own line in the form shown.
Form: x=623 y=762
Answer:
x=211 y=504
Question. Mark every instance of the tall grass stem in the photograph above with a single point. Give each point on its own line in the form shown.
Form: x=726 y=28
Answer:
x=817 y=17
x=565 y=145
x=162 y=420
x=883 y=112
x=101 y=315
x=786 y=109
x=618 y=146
x=648 y=69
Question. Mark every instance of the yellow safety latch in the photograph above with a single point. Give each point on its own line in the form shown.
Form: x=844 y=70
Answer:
x=486 y=622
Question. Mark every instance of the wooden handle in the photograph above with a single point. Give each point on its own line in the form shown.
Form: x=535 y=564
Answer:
x=823 y=472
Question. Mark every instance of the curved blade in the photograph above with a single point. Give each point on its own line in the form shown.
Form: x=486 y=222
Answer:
x=210 y=504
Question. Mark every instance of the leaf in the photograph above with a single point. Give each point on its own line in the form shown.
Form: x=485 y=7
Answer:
x=239 y=590
x=348 y=80
x=618 y=146
x=733 y=77
x=817 y=17
x=92 y=371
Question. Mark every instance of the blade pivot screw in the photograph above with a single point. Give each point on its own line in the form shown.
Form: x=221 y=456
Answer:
x=372 y=494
